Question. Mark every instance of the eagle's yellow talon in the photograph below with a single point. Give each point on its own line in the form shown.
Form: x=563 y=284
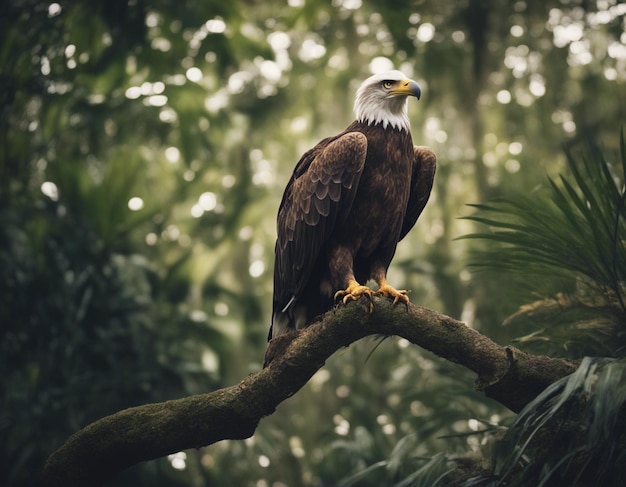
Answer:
x=353 y=292
x=396 y=294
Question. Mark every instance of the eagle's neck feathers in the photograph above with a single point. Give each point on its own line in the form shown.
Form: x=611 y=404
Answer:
x=372 y=108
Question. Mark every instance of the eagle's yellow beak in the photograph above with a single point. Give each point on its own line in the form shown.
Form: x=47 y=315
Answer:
x=407 y=87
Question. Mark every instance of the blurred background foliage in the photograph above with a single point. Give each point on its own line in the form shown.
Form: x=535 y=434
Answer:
x=144 y=147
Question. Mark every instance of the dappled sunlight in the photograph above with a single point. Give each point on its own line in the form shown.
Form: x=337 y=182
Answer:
x=135 y=203
x=214 y=26
x=216 y=102
x=145 y=153
x=178 y=460
x=145 y=89
x=193 y=74
x=311 y=49
x=263 y=169
x=54 y=9
x=342 y=425
x=568 y=28
x=50 y=190
x=172 y=154
x=425 y=32
x=257 y=268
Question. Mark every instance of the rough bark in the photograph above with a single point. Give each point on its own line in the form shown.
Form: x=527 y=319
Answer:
x=111 y=444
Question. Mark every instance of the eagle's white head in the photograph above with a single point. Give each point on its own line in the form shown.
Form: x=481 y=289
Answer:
x=382 y=98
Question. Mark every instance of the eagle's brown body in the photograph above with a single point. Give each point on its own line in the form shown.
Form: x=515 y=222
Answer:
x=349 y=201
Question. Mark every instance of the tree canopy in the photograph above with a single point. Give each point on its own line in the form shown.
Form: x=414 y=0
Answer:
x=143 y=152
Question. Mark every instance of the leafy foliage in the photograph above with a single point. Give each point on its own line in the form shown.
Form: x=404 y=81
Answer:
x=571 y=434
x=200 y=110
x=79 y=314
x=572 y=238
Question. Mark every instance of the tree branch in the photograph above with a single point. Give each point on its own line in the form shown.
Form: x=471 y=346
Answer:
x=111 y=444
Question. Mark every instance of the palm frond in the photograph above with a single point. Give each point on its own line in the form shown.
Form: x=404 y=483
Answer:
x=571 y=434
x=572 y=234
x=592 y=327
x=430 y=475
x=362 y=474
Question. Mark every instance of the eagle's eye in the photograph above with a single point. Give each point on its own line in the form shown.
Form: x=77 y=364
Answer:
x=387 y=84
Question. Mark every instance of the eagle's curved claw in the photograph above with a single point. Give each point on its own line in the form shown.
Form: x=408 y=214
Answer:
x=395 y=294
x=353 y=292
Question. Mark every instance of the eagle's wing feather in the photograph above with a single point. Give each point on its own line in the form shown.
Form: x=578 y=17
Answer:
x=319 y=194
x=424 y=166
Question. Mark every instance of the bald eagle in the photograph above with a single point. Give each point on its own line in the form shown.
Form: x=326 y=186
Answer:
x=351 y=198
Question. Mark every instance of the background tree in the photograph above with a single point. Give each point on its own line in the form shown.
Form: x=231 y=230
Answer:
x=143 y=152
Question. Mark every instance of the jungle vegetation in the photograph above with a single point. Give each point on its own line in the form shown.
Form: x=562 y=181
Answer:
x=144 y=147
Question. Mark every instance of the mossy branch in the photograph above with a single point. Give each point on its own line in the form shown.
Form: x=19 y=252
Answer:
x=111 y=444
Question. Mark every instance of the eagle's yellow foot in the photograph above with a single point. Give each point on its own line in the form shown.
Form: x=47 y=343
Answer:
x=353 y=292
x=396 y=294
